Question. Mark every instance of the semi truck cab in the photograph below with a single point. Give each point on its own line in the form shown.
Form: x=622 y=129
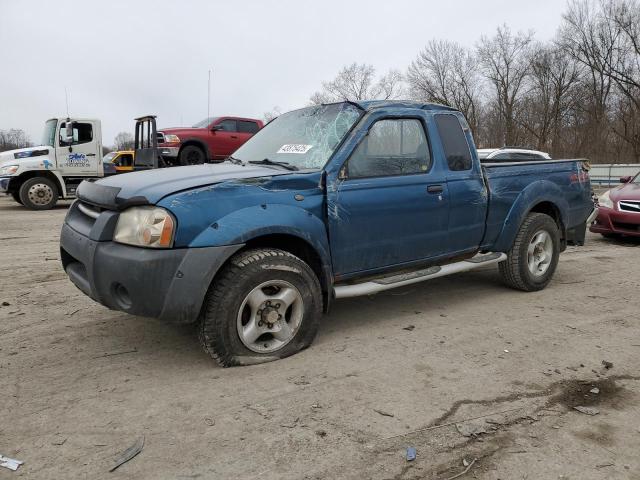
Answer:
x=70 y=152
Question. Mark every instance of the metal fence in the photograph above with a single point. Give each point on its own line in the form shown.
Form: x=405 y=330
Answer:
x=609 y=174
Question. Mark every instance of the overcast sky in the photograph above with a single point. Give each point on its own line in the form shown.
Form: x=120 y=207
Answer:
x=121 y=59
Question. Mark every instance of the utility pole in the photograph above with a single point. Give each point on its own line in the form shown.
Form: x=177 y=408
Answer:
x=208 y=95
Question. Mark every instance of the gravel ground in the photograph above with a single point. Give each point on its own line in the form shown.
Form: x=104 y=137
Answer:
x=460 y=368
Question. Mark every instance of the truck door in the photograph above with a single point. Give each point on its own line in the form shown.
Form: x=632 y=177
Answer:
x=389 y=204
x=468 y=199
x=224 y=138
x=80 y=156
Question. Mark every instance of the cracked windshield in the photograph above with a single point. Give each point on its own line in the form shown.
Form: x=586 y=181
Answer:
x=303 y=139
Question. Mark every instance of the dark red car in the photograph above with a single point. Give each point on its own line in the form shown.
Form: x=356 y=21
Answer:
x=619 y=209
x=212 y=139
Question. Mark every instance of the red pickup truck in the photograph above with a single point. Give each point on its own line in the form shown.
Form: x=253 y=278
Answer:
x=212 y=139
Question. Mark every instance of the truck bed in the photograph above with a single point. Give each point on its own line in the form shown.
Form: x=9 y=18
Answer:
x=514 y=186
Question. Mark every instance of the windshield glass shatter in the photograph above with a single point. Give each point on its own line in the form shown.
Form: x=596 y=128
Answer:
x=304 y=138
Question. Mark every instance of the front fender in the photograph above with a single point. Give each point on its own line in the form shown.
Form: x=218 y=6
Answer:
x=534 y=194
x=248 y=223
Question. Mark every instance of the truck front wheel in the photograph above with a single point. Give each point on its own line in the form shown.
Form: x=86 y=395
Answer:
x=533 y=258
x=265 y=305
x=38 y=193
x=191 y=155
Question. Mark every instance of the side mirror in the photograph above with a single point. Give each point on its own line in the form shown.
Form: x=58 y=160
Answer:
x=625 y=179
x=67 y=137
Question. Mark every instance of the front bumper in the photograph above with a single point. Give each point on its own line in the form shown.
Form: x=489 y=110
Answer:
x=169 y=152
x=4 y=184
x=167 y=284
x=615 y=221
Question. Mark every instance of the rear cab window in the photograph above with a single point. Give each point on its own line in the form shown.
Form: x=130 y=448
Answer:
x=454 y=142
x=246 y=126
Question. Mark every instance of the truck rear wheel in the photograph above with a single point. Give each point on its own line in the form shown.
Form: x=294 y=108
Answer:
x=191 y=155
x=265 y=305
x=38 y=193
x=533 y=258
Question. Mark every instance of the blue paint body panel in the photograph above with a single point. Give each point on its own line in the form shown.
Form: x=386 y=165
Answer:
x=363 y=226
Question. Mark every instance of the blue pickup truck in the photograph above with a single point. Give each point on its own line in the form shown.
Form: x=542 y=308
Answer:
x=325 y=202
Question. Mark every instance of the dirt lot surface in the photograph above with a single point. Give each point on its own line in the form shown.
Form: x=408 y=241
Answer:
x=460 y=368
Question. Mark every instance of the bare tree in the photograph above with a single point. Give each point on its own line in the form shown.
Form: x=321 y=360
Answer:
x=274 y=113
x=505 y=59
x=358 y=82
x=552 y=92
x=447 y=73
x=124 y=141
x=13 y=138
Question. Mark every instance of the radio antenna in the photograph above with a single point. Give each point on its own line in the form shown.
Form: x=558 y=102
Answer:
x=66 y=99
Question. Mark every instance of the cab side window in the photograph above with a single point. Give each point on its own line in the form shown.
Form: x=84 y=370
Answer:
x=82 y=133
x=391 y=147
x=228 y=125
x=126 y=160
x=454 y=142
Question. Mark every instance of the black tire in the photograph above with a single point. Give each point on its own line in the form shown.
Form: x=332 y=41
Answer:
x=16 y=197
x=225 y=305
x=38 y=193
x=515 y=270
x=611 y=236
x=191 y=155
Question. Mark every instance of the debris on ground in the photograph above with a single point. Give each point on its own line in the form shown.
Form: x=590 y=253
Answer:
x=409 y=327
x=470 y=464
x=472 y=429
x=594 y=390
x=411 y=454
x=316 y=405
x=10 y=463
x=59 y=441
x=607 y=365
x=292 y=424
x=129 y=453
x=383 y=413
x=209 y=421
x=5 y=304
x=321 y=433
x=587 y=410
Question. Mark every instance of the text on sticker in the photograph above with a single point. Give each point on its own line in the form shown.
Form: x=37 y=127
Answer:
x=294 y=148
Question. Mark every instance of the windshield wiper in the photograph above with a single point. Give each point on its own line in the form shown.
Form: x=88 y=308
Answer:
x=237 y=161
x=267 y=161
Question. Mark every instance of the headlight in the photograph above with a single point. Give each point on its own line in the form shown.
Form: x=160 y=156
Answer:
x=172 y=139
x=9 y=169
x=604 y=200
x=145 y=227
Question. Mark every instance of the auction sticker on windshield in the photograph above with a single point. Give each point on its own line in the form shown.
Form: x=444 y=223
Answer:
x=294 y=148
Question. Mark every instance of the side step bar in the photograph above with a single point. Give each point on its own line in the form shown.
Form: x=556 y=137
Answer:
x=400 y=280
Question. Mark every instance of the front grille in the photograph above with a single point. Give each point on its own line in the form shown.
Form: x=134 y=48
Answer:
x=89 y=210
x=629 y=205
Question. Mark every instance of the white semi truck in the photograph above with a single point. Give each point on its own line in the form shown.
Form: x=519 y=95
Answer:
x=71 y=151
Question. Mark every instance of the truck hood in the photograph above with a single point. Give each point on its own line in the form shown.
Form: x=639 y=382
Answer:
x=626 y=191
x=14 y=156
x=149 y=187
x=182 y=130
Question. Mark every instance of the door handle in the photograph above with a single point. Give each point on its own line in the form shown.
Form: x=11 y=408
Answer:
x=91 y=154
x=435 y=189
x=234 y=136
